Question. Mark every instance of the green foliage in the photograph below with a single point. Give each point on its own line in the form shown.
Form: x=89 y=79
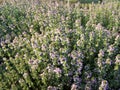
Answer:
x=89 y=1
x=50 y=47
x=83 y=1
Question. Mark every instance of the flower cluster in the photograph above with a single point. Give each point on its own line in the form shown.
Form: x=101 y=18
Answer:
x=51 y=47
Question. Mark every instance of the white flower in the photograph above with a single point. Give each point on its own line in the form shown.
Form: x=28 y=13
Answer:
x=25 y=75
x=63 y=60
x=101 y=53
x=21 y=81
x=108 y=61
x=99 y=62
x=31 y=28
x=43 y=47
x=99 y=27
x=88 y=86
x=7 y=41
x=92 y=35
x=82 y=37
x=74 y=87
x=117 y=59
x=33 y=67
x=78 y=22
x=50 y=68
x=35 y=44
x=2 y=43
x=117 y=37
x=52 y=55
x=104 y=85
x=78 y=42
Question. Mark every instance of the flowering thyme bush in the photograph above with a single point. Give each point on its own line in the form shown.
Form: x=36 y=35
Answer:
x=50 y=47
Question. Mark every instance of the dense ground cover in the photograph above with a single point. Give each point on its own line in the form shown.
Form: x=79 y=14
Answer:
x=55 y=46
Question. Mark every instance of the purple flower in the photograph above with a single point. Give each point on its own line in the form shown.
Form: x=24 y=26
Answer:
x=111 y=48
x=79 y=70
x=33 y=63
x=57 y=70
x=52 y=55
x=107 y=32
x=76 y=55
x=92 y=49
x=93 y=80
x=70 y=73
